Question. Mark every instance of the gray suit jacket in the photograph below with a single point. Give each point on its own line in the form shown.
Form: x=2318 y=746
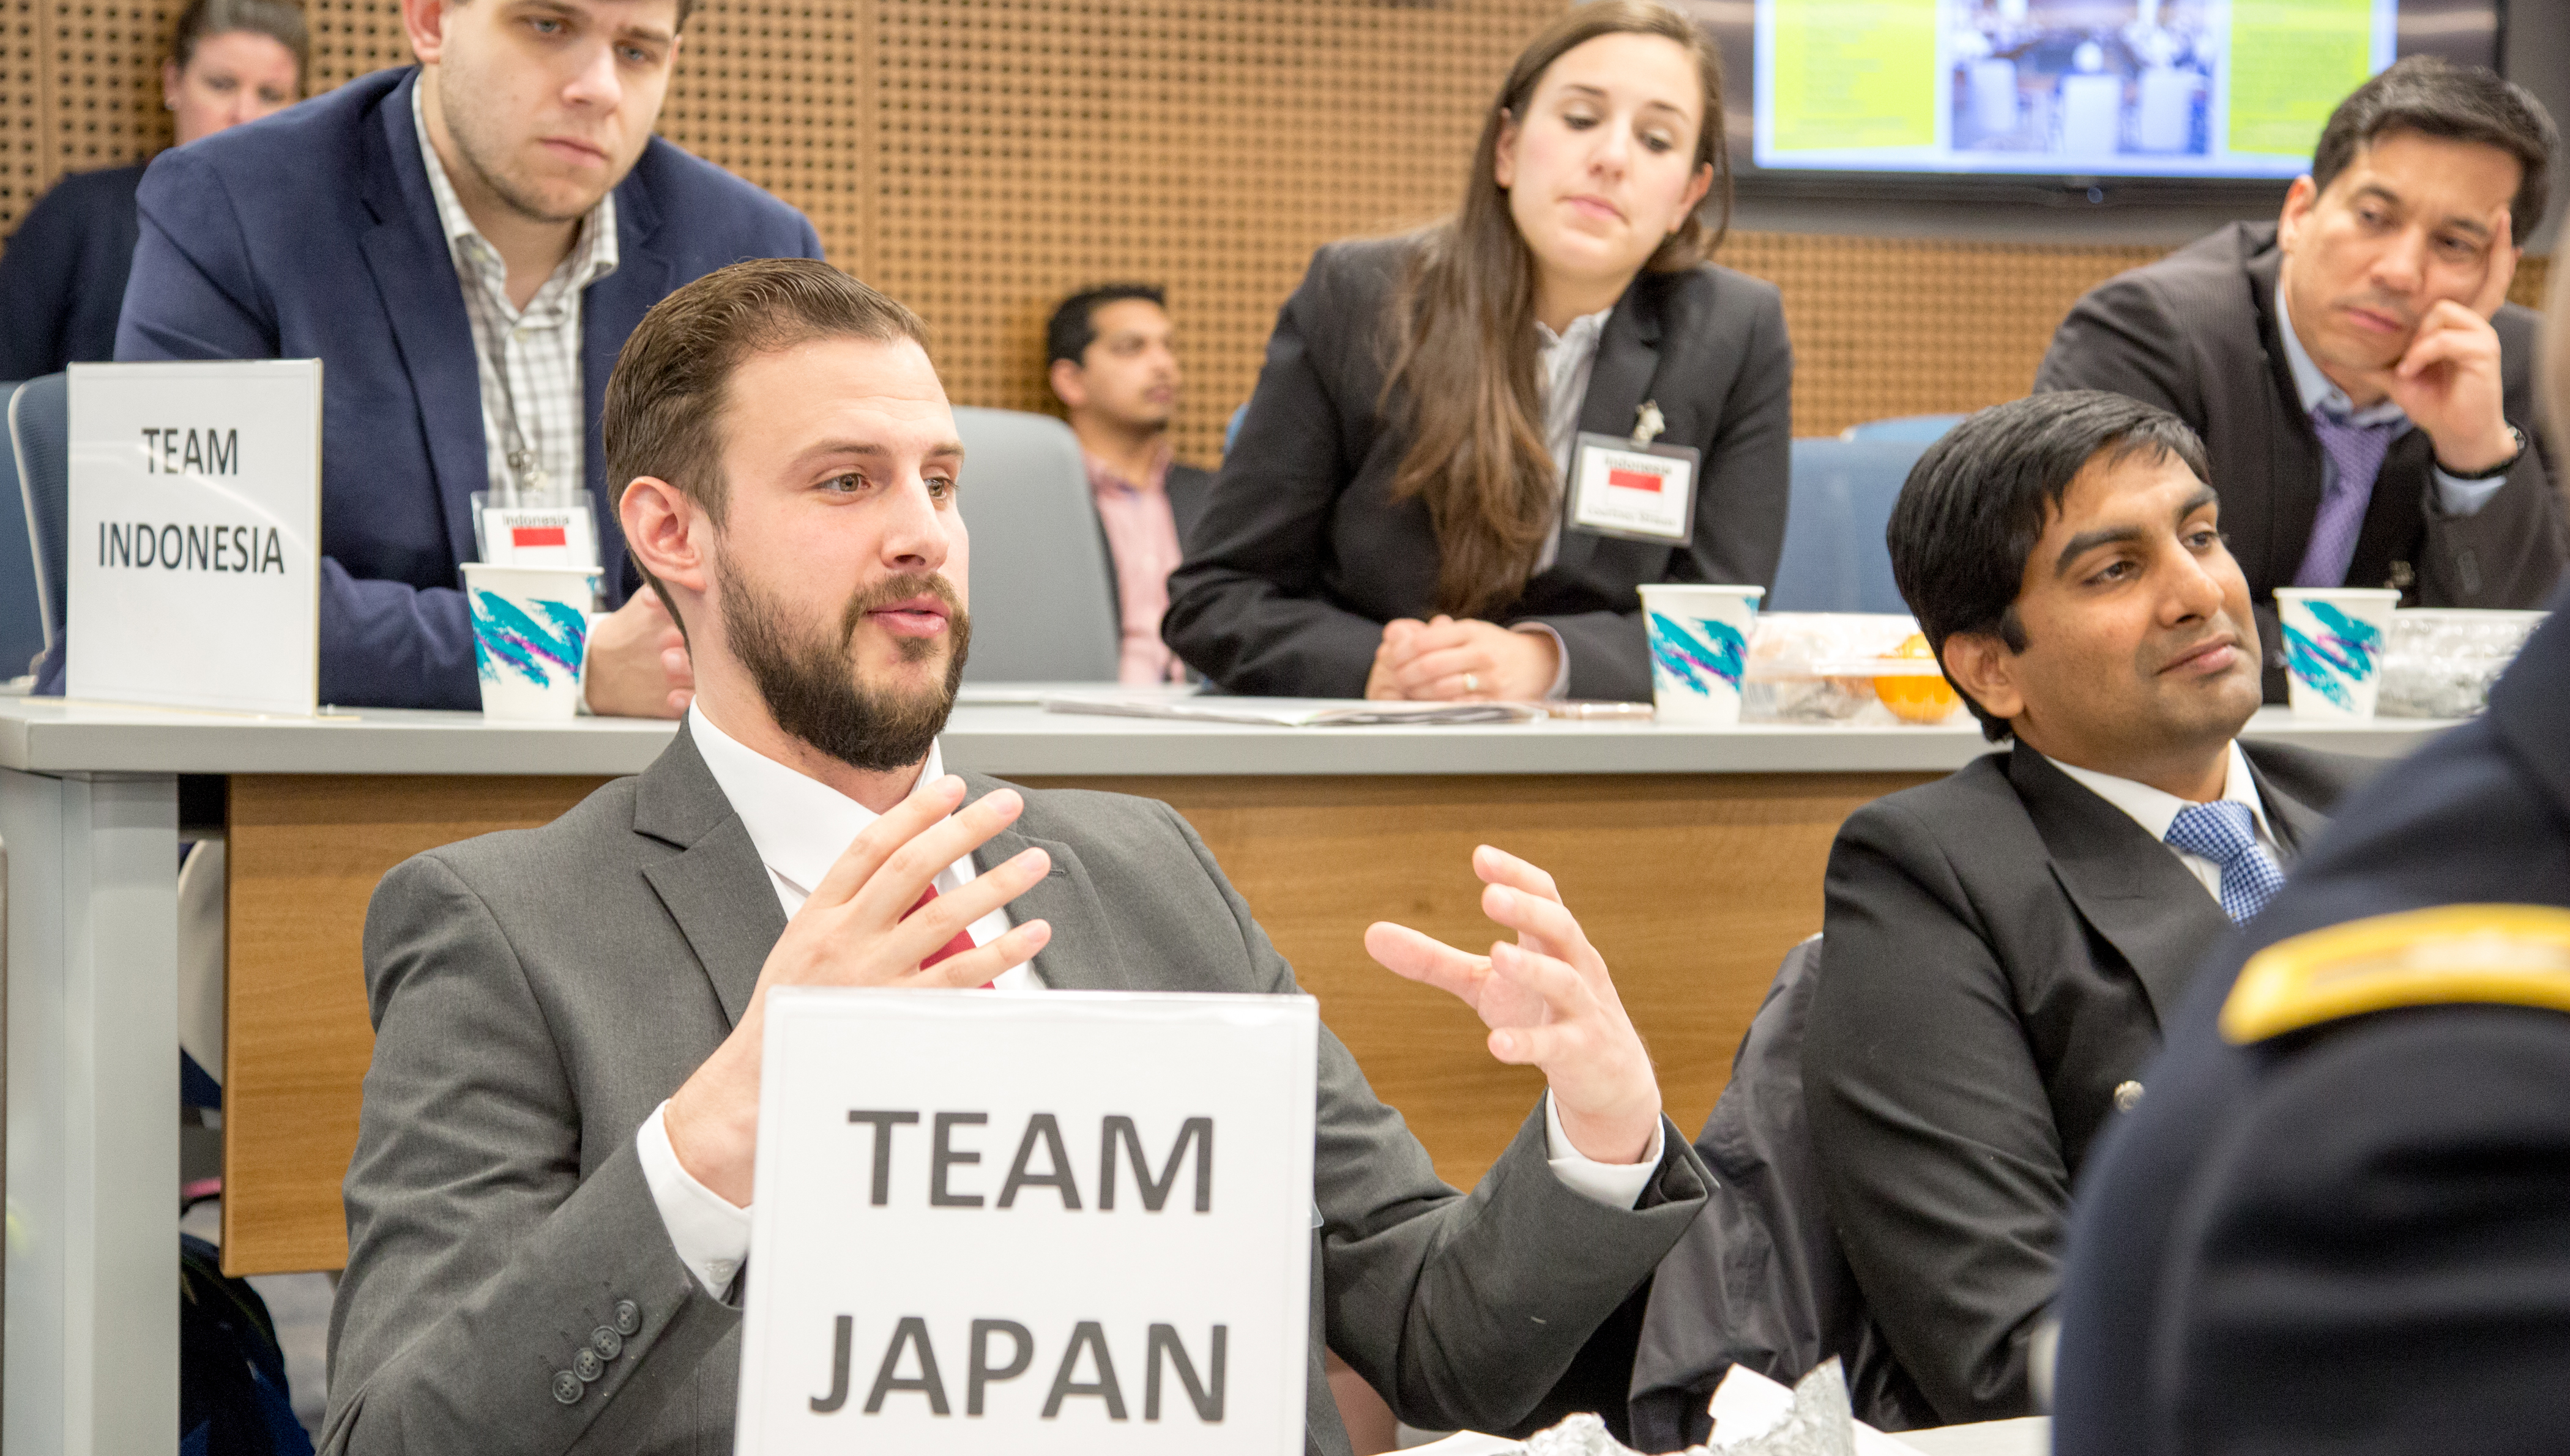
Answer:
x=1303 y=552
x=537 y=993
x=2003 y=946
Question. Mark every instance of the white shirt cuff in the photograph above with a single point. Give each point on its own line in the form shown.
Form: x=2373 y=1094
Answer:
x=711 y=1237
x=1560 y=660
x=2463 y=498
x=1616 y=1185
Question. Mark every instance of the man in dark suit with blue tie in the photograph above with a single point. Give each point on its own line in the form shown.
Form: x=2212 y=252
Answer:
x=465 y=245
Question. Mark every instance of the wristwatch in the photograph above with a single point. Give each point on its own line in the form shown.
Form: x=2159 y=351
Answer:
x=2494 y=472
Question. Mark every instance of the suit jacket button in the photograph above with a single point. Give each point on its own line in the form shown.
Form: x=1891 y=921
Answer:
x=607 y=1342
x=629 y=1318
x=2129 y=1095
x=587 y=1365
x=568 y=1387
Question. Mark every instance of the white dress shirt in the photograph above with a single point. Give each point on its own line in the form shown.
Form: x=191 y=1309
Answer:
x=1565 y=361
x=2319 y=392
x=799 y=826
x=2155 y=810
x=528 y=359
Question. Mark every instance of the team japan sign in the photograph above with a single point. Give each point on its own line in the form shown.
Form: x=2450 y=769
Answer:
x=1063 y=1222
x=195 y=534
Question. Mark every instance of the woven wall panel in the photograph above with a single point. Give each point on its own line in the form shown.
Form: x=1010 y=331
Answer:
x=979 y=158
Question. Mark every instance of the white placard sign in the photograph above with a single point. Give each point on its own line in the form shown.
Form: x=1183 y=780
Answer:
x=195 y=534
x=1061 y=1221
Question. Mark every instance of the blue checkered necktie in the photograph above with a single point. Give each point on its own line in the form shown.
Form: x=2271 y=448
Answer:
x=2355 y=453
x=2225 y=833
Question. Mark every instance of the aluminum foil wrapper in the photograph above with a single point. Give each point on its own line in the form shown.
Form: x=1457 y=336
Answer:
x=1819 y=1424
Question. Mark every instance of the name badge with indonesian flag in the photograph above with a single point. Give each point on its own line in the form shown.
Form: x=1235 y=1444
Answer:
x=1634 y=492
x=562 y=535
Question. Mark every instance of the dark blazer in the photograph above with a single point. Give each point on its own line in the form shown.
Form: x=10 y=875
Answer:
x=2197 y=334
x=63 y=277
x=537 y=993
x=1303 y=554
x=2352 y=1239
x=2002 y=946
x=313 y=233
x=1189 y=489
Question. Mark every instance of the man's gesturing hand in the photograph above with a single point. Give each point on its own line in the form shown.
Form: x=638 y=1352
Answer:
x=853 y=932
x=1549 y=1002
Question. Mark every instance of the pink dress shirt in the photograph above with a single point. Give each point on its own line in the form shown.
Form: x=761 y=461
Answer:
x=1142 y=537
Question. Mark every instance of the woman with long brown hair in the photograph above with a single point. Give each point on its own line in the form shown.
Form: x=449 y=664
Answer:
x=1470 y=445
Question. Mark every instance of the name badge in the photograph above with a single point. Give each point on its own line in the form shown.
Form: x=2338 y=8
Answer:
x=1635 y=492
x=540 y=535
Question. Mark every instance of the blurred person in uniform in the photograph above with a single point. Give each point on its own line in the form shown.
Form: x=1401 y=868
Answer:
x=2002 y=948
x=2364 y=388
x=2340 y=1221
x=1409 y=510
x=1115 y=367
x=465 y=244
x=63 y=277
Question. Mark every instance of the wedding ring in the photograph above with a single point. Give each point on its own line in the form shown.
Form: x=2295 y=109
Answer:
x=1471 y=684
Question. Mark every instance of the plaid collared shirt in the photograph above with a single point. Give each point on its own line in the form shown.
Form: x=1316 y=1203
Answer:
x=528 y=359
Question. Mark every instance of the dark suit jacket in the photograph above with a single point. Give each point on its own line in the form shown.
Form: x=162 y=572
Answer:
x=312 y=234
x=536 y=995
x=2003 y=945
x=63 y=277
x=1304 y=555
x=2352 y=1239
x=2196 y=334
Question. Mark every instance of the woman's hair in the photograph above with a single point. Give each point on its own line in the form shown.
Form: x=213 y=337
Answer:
x=280 y=20
x=1462 y=332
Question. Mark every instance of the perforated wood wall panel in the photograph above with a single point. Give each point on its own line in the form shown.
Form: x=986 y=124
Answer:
x=979 y=158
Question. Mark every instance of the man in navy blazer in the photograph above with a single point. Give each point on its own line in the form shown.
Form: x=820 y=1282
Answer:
x=321 y=233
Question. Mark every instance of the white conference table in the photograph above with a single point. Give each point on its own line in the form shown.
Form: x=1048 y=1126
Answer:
x=90 y=827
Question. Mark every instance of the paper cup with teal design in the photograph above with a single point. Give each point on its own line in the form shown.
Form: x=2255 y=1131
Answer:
x=2334 y=639
x=530 y=637
x=1699 y=641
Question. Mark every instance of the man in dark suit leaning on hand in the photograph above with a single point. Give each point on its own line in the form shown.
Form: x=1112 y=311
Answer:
x=2364 y=388
x=545 y=1208
x=2001 y=946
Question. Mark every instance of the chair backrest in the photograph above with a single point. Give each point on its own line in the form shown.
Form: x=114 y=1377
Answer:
x=1841 y=495
x=22 y=610
x=1904 y=429
x=1759 y=1278
x=1043 y=607
x=40 y=428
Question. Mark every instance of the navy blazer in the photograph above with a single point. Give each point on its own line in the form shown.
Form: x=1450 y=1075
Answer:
x=313 y=233
x=64 y=273
x=1304 y=552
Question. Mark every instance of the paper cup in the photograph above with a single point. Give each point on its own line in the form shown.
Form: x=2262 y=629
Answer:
x=1699 y=641
x=2334 y=641
x=530 y=638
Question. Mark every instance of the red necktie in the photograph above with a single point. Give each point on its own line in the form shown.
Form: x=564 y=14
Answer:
x=962 y=942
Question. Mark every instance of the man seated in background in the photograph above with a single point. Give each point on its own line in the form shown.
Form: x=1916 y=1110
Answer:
x=548 y=1204
x=464 y=245
x=2365 y=391
x=1117 y=374
x=2001 y=947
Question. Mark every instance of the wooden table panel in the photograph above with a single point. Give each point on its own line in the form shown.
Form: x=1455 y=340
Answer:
x=1693 y=886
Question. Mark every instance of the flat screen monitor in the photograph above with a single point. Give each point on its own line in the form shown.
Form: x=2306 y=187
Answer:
x=2070 y=91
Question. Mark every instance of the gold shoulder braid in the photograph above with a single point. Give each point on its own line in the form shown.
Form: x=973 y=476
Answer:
x=2492 y=955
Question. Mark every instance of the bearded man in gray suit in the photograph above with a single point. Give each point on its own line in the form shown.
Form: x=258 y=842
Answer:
x=546 y=1210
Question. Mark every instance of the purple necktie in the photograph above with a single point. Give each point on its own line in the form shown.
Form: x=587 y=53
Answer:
x=2357 y=451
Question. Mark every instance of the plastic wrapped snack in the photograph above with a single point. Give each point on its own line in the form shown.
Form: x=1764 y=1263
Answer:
x=1863 y=669
x=2441 y=661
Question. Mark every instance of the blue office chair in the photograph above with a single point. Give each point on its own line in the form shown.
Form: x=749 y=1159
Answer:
x=1232 y=428
x=40 y=428
x=1043 y=608
x=1910 y=429
x=1835 y=558
x=22 y=612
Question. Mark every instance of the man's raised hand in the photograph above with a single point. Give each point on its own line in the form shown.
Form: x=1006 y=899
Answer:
x=1550 y=1004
